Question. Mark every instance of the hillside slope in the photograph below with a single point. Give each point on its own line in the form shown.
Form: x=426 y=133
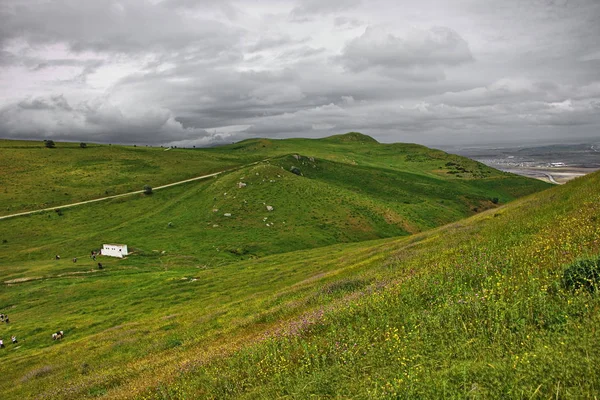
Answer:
x=227 y=218
x=34 y=177
x=475 y=308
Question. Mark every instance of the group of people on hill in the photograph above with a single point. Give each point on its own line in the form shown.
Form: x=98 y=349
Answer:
x=55 y=336
x=93 y=255
x=13 y=339
x=4 y=318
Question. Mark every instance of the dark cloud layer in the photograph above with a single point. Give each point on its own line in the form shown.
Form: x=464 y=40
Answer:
x=199 y=72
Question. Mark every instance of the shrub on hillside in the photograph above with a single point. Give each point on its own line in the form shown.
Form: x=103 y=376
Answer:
x=49 y=144
x=344 y=286
x=238 y=251
x=83 y=145
x=582 y=274
x=147 y=189
x=37 y=373
x=172 y=342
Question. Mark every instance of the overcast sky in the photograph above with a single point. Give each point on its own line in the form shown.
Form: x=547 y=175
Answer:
x=201 y=72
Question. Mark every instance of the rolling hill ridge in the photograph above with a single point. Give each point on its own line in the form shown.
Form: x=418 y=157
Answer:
x=34 y=177
x=226 y=218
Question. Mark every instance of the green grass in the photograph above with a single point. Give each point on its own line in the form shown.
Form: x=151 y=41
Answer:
x=228 y=307
x=34 y=177
x=364 y=320
x=475 y=309
x=393 y=190
x=331 y=203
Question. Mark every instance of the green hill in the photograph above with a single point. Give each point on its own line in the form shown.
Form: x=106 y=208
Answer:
x=346 y=188
x=226 y=218
x=34 y=177
x=351 y=137
x=309 y=268
x=477 y=308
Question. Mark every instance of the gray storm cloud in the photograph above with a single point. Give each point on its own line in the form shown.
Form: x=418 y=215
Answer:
x=197 y=72
x=377 y=48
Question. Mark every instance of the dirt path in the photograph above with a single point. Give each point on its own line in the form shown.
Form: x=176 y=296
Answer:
x=128 y=193
x=551 y=178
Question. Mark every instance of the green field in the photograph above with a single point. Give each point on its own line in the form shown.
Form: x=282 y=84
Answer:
x=354 y=289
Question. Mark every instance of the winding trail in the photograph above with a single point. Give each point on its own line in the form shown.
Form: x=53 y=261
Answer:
x=128 y=193
x=551 y=178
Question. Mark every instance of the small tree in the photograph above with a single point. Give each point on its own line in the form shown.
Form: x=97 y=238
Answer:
x=147 y=189
x=83 y=145
x=49 y=144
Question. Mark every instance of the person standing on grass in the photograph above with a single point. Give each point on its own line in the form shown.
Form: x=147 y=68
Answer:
x=14 y=339
x=1 y=344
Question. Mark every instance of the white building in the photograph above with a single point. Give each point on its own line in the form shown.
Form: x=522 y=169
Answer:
x=114 y=250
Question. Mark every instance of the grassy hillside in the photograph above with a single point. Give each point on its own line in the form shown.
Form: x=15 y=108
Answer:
x=34 y=177
x=226 y=218
x=476 y=308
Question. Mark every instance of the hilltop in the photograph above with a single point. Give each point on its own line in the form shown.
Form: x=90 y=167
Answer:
x=351 y=137
x=477 y=306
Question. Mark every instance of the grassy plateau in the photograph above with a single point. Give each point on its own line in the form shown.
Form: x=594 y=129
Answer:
x=382 y=271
